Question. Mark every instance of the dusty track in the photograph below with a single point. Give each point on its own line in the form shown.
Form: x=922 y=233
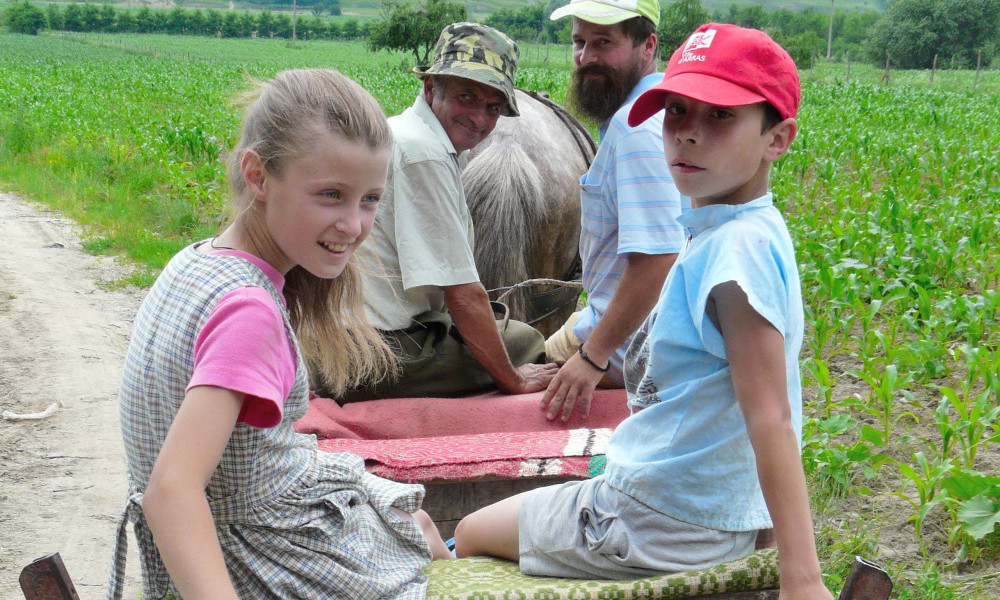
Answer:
x=62 y=338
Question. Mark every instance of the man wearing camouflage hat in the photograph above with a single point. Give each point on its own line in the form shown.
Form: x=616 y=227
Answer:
x=421 y=285
x=629 y=238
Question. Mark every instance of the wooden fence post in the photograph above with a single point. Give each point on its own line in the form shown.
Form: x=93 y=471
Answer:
x=829 y=33
x=933 y=67
x=886 y=77
x=979 y=61
x=847 y=58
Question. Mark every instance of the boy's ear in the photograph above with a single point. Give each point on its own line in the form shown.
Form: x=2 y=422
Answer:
x=252 y=167
x=781 y=136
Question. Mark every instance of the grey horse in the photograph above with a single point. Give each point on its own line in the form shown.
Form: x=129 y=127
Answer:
x=522 y=185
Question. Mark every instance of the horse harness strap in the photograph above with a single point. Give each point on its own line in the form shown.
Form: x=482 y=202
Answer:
x=545 y=304
x=542 y=305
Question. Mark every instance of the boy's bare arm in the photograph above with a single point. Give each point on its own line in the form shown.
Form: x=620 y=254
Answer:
x=757 y=362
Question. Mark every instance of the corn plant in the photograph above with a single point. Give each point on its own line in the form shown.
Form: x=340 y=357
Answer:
x=927 y=480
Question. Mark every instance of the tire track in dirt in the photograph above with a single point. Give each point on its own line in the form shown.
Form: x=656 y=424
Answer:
x=62 y=338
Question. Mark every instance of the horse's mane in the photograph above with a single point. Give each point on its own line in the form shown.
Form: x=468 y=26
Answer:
x=503 y=188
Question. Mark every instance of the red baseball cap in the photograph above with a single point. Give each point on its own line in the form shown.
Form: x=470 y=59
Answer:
x=726 y=65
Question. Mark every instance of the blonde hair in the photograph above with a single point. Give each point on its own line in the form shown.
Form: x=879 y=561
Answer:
x=281 y=117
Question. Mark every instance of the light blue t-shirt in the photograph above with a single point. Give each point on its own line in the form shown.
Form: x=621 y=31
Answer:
x=629 y=203
x=685 y=450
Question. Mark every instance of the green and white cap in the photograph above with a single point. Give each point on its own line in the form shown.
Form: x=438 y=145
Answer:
x=609 y=12
x=479 y=53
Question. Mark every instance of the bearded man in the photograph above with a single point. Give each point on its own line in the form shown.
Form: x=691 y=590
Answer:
x=629 y=237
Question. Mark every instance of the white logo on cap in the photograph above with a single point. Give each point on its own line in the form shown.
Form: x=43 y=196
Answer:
x=698 y=41
x=702 y=39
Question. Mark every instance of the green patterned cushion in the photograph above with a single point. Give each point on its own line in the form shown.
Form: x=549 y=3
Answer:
x=481 y=578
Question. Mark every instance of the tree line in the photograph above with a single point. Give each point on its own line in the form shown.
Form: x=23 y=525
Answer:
x=909 y=34
x=25 y=17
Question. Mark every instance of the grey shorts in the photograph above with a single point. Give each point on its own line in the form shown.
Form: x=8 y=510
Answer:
x=587 y=529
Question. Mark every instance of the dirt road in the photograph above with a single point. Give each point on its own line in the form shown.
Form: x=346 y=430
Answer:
x=62 y=339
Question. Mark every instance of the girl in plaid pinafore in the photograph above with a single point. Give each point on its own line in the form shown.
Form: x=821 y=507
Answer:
x=225 y=499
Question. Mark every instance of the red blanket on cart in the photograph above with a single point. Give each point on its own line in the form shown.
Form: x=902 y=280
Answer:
x=454 y=439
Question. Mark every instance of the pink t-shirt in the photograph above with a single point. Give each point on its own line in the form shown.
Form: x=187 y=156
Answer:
x=245 y=347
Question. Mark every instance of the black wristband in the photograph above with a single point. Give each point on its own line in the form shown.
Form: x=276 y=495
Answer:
x=586 y=358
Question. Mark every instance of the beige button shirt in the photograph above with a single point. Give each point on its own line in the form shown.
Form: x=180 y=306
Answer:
x=423 y=235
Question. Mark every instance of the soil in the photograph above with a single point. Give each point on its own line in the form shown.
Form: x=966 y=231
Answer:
x=62 y=478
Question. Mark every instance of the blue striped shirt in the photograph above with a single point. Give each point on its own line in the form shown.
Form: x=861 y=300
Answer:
x=629 y=204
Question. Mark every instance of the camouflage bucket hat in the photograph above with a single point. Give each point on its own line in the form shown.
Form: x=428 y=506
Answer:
x=479 y=53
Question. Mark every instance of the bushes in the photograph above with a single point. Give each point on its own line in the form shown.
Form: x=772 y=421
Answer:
x=413 y=27
x=531 y=23
x=678 y=22
x=912 y=32
x=803 y=47
x=25 y=18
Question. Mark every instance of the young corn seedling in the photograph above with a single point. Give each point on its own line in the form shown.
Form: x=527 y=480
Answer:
x=886 y=390
x=926 y=480
x=820 y=373
x=975 y=418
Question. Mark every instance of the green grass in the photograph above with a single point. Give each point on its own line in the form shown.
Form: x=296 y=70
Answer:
x=891 y=191
x=153 y=180
x=841 y=71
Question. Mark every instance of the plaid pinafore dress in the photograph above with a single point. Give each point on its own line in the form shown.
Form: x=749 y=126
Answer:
x=293 y=522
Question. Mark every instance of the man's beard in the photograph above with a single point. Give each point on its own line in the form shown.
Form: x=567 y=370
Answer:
x=597 y=99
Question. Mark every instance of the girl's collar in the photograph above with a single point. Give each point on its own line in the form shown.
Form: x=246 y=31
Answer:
x=276 y=277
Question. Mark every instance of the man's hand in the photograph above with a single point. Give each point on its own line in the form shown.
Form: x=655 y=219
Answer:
x=470 y=309
x=532 y=377
x=574 y=385
x=636 y=294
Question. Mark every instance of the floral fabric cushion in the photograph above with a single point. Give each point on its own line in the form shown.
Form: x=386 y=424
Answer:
x=482 y=578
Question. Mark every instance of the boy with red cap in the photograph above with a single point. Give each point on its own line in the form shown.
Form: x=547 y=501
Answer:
x=710 y=454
